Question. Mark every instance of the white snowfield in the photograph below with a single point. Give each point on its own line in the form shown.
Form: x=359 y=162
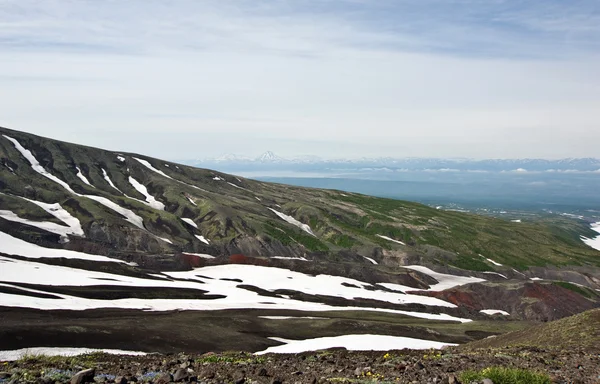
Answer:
x=60 y=351
x=206 y=279
x=271 y=278
x=494 y=312
x=189 y=222
x=595 y=242
x=83 y=178
x=203 y=239
x=150 y=200
x=13 y=246
x=352 y=343
x=291 y=220
x=445 y=281
x=390 y=239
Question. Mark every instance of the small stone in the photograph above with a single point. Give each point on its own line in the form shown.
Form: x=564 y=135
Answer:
x=240 y=381
x=487 y=381
x=453 y=380
x=85 y=376
x=120 y=380
x=357 y=371
x=262 y=372
x=180 y=375
x=163 y=378
x=419 y=366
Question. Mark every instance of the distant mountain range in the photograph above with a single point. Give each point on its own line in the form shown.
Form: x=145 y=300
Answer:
x=270 y=160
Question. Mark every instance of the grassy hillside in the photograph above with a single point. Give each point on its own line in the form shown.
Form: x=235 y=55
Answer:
x=578 y=331
x=235 y=215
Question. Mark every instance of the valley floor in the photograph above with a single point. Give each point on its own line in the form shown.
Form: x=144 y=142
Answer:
x=331 y=366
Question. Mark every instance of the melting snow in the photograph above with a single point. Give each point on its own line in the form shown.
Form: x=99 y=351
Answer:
x=536 y=279
x=494 y=312
x=352 y=343
x=108 y=180
x=36 y=165
x=150 y=167
x=293 y=221
x=73 y=225
x=14 y=246
x=237 y=186
x=293 y=317
x=121 y=158
x=236 y=298
x=203 y=239
x=60 y=351
x=289 y=258
x=83 y=178
x=165 y=239
x=390 y=239
x=202 y=255
x=595 y=242
x=217 y=178
x=191 y=201
x=516 y=221
x=371 y=260
x=150 y=200
x=189 y=222
x=445 y=281
x=496 y=273
x=128 y=214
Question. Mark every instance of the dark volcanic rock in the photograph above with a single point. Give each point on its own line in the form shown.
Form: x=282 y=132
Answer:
x=85 y=376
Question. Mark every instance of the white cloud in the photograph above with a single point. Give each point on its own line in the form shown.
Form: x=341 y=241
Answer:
x=332 y=81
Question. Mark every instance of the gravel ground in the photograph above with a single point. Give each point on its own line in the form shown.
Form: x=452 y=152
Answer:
x=405 y=366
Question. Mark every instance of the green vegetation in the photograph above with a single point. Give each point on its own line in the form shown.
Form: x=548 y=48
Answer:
x=578 y=331
x=240 y=358
x=585 y=292
x=501 y=375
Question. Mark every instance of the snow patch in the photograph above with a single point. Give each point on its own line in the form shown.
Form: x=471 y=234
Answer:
x=14 y=246
x=165 y=239
x=390 y=239
x=289 y=258
x=202 y=255
x=36 y=165
x=150 y=200
x=371 y=260
x=128 y=214
x=121 y=158
x=445 y=281
x=595 y=242
x=494 y=312
x=237 y=186
x=189 y=222
x=352 y=343
x=83 y=178
x=496 y=273
x=60 y=351
x=203 y=239
x=516 y=221
x=108 y=180
x=293 y=221
x=147 y=164
x=293 y=317
x=191 y=201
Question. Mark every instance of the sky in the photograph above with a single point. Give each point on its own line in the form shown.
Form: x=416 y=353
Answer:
x=194 y=79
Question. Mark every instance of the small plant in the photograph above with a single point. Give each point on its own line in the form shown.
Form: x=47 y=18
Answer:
x=501 y=375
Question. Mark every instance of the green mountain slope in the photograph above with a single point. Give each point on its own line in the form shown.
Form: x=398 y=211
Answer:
x=237 y=215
